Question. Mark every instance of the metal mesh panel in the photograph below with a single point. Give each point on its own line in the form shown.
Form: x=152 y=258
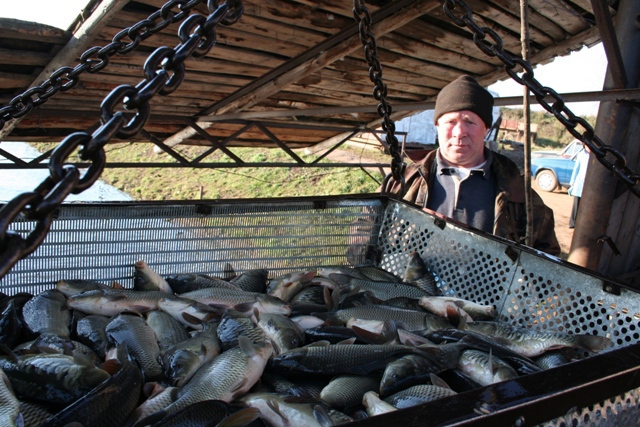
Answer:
x=623 y=410
x=103 y=242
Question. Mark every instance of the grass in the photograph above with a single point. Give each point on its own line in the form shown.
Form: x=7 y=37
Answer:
x=231 y=183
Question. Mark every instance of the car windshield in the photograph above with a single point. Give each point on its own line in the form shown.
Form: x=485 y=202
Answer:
x=572 y=149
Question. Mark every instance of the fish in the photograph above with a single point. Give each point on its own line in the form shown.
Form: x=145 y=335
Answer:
x=72 y=287
x=146 y=279
x=552 y=359
x=484 y=368
x=288 y=285
x=189 y=312
x=226 y=378
x=111 y=302
x=56 y=321
x=309 y=388
x=332 y=334
x=10 y=324
x=159 y=397
x=410 y=320
x=417 y=395
x=414 y=369
x=381 y=290
x=242 y=301
x=36 y=377
x=91 y=331
x=252 y=280
x=10 y=414
x=284 y=333
x=51 y=343
x=375 y=405
x=234 y=324
x=188 y=282
x=35 y=413
x=346 y=391
x=322 y=358
x=454 y=308
x=531 y=343
x=136 y=335
x=286 y=411
x=377 y=274
x=108 y=404
x=168 y=330
x=181 y=361
x=210 y=413
x=418 y=274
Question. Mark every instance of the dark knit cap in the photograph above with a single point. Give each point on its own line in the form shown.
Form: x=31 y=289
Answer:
x=464 y=93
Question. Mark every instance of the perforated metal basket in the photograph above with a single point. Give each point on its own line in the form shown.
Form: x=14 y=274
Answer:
x=530 y=289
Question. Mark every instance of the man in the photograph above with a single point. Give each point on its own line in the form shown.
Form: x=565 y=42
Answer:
x=577 y=182
x=467 y=182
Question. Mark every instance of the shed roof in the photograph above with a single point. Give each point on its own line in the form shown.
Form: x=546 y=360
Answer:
x=280 y=57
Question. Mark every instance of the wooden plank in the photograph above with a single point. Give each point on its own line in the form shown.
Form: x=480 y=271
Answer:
x=13 y=80
x=535 y=19
x=20 y=57
x=309 y=67
x=562 y=13
x=15 y=29
x=80 y=41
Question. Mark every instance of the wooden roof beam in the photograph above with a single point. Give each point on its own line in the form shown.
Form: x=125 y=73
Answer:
x=79 y=42
x=385 y=20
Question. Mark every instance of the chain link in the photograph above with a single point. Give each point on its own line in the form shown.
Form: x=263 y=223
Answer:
x=577 y=126
x=97 y=58
x=363 y=18
x=164 y=71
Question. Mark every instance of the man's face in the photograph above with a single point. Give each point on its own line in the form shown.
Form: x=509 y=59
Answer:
x=461 y=136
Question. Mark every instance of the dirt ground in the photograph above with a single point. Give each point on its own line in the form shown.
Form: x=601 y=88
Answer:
x=559 y=201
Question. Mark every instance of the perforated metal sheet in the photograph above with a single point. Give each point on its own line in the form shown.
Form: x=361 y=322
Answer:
x=103 y=242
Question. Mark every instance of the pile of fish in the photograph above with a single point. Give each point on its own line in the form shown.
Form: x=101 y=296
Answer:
x=314 y=348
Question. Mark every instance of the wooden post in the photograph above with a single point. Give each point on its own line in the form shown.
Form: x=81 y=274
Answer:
x=524 y=41
x=609 y=217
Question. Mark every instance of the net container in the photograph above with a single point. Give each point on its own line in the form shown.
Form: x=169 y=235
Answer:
x=528 y=288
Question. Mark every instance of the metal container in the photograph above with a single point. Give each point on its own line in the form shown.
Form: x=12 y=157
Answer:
x=528 y=288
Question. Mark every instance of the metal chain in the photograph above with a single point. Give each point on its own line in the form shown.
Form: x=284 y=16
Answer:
x=363 y=18
x=491 y=44
x=164 y=71
x=97 y=58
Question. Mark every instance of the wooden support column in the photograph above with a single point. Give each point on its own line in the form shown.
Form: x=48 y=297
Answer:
x=79 y=42
x=609 y=217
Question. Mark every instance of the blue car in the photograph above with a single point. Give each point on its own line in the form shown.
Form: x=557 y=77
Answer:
x=553 y=169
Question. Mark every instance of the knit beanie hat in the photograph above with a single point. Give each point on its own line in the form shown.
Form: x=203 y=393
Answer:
x=464 y=93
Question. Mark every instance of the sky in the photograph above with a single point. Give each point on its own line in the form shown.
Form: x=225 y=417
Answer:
x=565 y=74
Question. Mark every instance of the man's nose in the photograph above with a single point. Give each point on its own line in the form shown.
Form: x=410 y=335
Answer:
x=459 y=129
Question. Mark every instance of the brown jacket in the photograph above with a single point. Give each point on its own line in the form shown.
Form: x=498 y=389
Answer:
x=510 y=210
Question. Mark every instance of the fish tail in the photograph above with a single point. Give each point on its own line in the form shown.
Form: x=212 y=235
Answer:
x=593 y=343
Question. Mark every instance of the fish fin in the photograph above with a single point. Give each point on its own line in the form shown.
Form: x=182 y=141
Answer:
x=237 y=391
x=328 y=298
x=347 y=341
x=240 y=418
x=152 y=419
x=152 y=389
x=7 y=351
x=111 y=366
x=436 y=380
x=593 y=343
x=491 y=372
x=189 y=318
x=340 y=279
x=275 y=407
x=256 y=314
x=116 y=285
x=321 y=343
x=246 y=345
x=229 y=273
x=322 y=416
x=114 y=297
x=81 y=359
x=307 y=277
x=244 y=307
